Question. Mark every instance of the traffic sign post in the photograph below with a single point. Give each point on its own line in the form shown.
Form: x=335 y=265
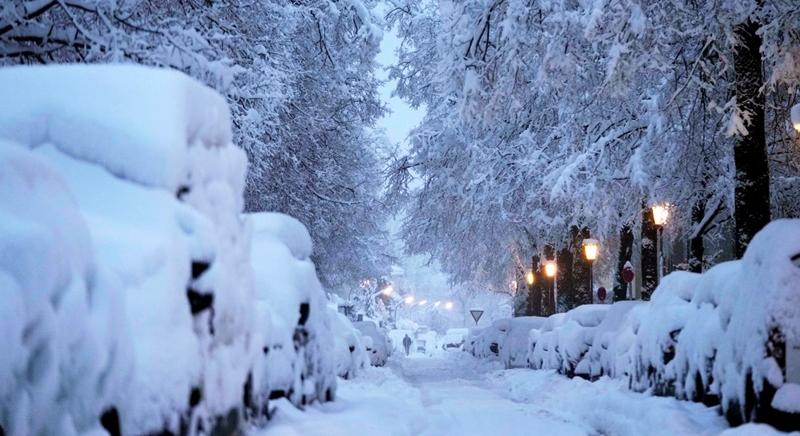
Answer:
x=628 y=275
x=476 y=314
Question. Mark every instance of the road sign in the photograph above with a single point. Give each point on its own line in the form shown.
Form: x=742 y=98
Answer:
x=627 y=273
x=476 y=315
x=601 y=294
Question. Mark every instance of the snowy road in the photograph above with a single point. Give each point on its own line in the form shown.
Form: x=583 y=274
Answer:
x=454 y=394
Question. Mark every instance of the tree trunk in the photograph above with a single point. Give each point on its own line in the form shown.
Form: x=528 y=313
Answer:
x=696 y=248
x=535 y=291
x=625 y=255
x=566 y=286
x=752 y=206
x=649 y=258
x=580 y=269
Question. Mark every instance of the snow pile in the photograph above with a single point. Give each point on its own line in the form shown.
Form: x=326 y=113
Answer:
x=453 y=338
x=295 y=322
x=59 y=310
x=719 y=337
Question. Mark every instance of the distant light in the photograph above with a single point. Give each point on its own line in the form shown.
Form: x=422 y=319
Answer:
x=423 y=302
x=448 y=305
x=388 y=291
x=530 y=278
x=660 y=214
x=409 y=300
x=590 y=248
x=796 y=117
x=436 y=304
x=550 y=268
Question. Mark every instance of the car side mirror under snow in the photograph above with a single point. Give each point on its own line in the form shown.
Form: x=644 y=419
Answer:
x=796 y=260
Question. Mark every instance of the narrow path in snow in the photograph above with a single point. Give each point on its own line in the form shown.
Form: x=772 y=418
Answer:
x=455 y=394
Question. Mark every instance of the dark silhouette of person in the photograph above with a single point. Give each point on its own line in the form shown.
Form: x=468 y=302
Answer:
x=407 y=344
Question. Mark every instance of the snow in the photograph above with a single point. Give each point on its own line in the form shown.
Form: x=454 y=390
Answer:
x=456 y=394
x=140 y=127
x=787 y=399
x=514 y=348
x=378 y=346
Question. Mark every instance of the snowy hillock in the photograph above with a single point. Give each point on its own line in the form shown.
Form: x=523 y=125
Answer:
x=129 y=299
x=721 y=337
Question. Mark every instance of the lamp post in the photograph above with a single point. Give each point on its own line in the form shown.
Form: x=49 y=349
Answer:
x=591 y=247
x=550 y=269
x=660 y=215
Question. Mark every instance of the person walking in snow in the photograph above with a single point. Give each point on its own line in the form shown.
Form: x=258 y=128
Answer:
x=407 y=344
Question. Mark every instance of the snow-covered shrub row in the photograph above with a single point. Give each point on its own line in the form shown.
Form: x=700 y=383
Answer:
x=128 y=296
x=719 y=337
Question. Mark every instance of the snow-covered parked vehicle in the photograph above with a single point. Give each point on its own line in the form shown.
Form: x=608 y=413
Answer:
x=609 y=353
x=453 y=338
x=514 y=348
x=150 y=190
x=485 y=342
x=349 y=351
x=376 y=342
x=295 y=341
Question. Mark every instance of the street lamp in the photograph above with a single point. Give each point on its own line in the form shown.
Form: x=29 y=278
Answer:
x=388 y=291
x=550 y=269
x=660 y=215
x=591 y=247
x=423 y=302
x=530 y=278
x=448 y=305
x=409 y=300
x=796 y=117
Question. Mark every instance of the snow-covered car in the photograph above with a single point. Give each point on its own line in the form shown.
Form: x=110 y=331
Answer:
x=514 y=348
x=349 y=351
x=375 y=341
x=453 y=338
x=485 y=342
x=424 y=340
x=143 y=172
x=297 y=348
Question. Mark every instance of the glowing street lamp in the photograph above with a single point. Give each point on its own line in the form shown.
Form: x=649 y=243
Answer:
x=388 y=291
x=796 y=117
x=591 y=247
x=423 y=302
x=530 y=278
x=550 y=268
x=409 y=300
x=436 y=304
x=448 y=305
x=660 y=216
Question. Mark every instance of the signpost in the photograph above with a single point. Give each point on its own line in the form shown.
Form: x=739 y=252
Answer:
x=476 y=314
x=628 y=275
x=601 y=294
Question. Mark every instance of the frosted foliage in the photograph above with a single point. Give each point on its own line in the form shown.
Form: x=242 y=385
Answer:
x=543 y=115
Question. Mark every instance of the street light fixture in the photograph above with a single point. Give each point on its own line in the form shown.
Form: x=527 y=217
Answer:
x=530 y=278
x=660 y=216
x=591 y=247
x=550 y=269
x=423 y=302
x=796 y=117
x=448 y=305
x=409 y=300
x=388 y=291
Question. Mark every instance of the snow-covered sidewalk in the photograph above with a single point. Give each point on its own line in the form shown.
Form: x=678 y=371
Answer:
x=456 y=394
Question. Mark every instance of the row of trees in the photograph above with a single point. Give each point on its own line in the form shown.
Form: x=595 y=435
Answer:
x=543 y=116
x=299 y=78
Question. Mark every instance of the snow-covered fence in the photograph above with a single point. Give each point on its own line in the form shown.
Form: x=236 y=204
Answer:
x=129 y=301
x=719 y=337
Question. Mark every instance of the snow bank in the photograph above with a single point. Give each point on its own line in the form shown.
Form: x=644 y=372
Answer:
x=514 y=348
x=718 y=338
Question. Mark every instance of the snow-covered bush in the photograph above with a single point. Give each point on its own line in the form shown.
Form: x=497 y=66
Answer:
x=349 y=351
x=514 y=348
x=299 y=358
x=376 y=342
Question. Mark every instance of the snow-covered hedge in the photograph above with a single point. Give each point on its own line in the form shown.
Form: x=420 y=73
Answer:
x=128 y=297
x=718 y=337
